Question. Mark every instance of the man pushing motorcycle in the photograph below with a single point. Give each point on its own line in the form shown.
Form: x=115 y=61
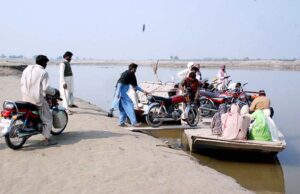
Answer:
x=34 y=88
x=191 y=85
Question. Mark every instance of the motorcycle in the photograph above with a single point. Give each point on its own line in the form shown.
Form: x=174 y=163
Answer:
x=20 y=120
x=210 y=101
x=162 y=109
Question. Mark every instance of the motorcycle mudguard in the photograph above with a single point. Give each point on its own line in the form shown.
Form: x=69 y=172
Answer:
x=5 y=125
x=150 y=106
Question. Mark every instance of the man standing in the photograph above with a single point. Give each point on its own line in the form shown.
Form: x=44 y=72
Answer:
x=193 y=84
x=66 y=82
x=35 y=87
x=222 y=78
x=185 y=73
x=122 y=100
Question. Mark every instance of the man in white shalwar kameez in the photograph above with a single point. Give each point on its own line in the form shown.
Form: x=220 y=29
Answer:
x=34 y=88
x=222 y=78
x=66 y=82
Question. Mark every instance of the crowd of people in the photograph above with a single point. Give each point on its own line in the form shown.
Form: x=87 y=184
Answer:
x=254 y=122
x=240 y=123
x=230 y=124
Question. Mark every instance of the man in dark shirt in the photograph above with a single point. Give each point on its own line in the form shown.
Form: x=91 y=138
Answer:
x=192 y=84
x=122 y=100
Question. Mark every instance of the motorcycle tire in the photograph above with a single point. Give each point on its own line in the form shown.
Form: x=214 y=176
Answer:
x=14 y=134
x=205 y=103
x=59 y=130
x=152 y=114
x=192 y=116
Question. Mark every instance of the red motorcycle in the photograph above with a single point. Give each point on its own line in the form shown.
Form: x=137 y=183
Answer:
x=162 y=109
x=20 y=120
x=210 y=101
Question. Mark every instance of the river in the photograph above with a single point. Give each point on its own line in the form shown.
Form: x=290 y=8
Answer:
x=276 y=175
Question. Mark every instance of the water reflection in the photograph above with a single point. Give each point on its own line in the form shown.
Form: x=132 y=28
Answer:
x=259 y=173
x=97 y=83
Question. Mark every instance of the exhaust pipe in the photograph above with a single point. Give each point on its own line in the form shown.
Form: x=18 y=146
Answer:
x=204 y=108
x=165 y=119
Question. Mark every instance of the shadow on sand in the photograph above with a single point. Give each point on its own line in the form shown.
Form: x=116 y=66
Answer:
x=70 y=137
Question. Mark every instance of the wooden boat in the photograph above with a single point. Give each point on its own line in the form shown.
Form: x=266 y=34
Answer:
x=203 y=138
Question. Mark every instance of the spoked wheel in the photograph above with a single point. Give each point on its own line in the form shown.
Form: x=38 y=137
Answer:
x=192 y=116
x=152 y=116
x=62 y=121
x=206 y=107
x=12 y=138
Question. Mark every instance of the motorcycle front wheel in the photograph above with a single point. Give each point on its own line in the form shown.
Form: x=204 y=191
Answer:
x=60 y=121
x=192 y=116
x=154 y=113
x=206 y=107
x=12 y=138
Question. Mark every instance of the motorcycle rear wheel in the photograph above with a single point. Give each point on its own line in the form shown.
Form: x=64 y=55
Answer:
x=153 y=113
x=12 y=138
x=59 y=130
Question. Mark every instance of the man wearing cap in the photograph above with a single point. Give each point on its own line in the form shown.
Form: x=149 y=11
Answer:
x=66 y=82
x=261 y=102
x=35 y=87
x=185 y=73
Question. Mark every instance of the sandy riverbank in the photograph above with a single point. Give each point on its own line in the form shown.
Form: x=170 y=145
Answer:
x=93 y=155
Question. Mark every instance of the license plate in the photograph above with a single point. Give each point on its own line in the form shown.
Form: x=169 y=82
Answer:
x=4 y=124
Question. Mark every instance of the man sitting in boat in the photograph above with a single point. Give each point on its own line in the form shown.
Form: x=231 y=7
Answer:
x=261 y=102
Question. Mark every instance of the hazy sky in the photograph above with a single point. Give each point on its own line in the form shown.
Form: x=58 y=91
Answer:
x=112 y=29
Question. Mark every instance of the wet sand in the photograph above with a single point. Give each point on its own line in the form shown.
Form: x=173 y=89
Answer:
x=94 y=155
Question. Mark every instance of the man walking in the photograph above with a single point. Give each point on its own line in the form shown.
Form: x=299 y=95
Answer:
x=34 y=88
x=66 y=82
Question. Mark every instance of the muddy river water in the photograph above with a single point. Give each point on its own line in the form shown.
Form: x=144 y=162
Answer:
x=271 y=175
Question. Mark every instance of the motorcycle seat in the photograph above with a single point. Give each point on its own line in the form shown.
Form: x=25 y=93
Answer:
x=210 y=94
x=161 y=99
x=26 y=105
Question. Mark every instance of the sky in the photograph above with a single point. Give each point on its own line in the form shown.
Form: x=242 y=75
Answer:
x=188 y=29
